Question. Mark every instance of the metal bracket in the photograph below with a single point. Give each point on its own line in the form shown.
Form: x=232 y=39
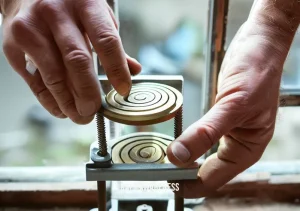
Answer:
x=101 y=169
x=140 y=172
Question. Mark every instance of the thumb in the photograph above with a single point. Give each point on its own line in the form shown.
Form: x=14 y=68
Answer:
x=203 y=134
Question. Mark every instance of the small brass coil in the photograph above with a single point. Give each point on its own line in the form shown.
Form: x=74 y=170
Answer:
x=141 y=148
x=147 y=103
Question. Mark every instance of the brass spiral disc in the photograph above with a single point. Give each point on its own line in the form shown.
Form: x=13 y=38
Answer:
x=147 y=103
x=141 y=148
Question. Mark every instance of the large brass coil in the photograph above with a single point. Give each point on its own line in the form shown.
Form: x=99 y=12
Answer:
x=147 y=103
x=146 y=147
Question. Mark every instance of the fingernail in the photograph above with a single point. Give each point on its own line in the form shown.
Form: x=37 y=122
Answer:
x=124 y=89
x=62 y=116
x=58 y=113
x=133 y=74
x=180 y=152
x=87 y=108
x=134 y=60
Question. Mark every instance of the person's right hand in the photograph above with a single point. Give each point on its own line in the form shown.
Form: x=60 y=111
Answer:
x=55 y=35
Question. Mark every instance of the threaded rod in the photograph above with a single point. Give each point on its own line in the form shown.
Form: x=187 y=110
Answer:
x=101 y=135
x=101 y=187
x=179 y=201
x=178 y=123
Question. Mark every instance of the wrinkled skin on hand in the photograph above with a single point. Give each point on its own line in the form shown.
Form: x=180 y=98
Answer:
x=55 y=35
x=243 y=118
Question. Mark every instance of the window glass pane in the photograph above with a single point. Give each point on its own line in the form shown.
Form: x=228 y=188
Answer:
x=168 y=38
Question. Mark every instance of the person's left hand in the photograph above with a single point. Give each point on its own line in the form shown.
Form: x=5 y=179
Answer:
x=244 y=115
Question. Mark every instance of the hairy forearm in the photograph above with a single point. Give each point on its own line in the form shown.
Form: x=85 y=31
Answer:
x=276 y=22
x=280 y=17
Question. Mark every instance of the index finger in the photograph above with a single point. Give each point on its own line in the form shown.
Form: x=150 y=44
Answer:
x=106 y=41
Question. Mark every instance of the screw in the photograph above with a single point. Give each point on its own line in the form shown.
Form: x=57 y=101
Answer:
x=101 y=135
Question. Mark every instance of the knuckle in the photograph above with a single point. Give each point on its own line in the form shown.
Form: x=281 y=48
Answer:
x=76 y=118
x=107 y=43
x=208 y=134
x=48 y=8
x=87 y=4
x=85 y=91
x=236 y=102
x=79 y=5
x=116 y=70
x=79 y=60
x=86 y=7
x=69 y=108
x=68 y=105
x=242 y=99
x=37 y=89
x=54 y=83
x=19 y=28
x=252 y=157
x=43 y=94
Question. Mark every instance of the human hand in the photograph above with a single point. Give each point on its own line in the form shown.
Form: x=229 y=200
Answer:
x=56 y=36
x=243 y=117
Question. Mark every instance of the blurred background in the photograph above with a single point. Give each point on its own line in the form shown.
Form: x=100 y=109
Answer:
x=167 y=37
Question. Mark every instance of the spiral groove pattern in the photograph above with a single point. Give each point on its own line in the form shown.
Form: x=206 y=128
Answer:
x=141 y=148
x=147 y=103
